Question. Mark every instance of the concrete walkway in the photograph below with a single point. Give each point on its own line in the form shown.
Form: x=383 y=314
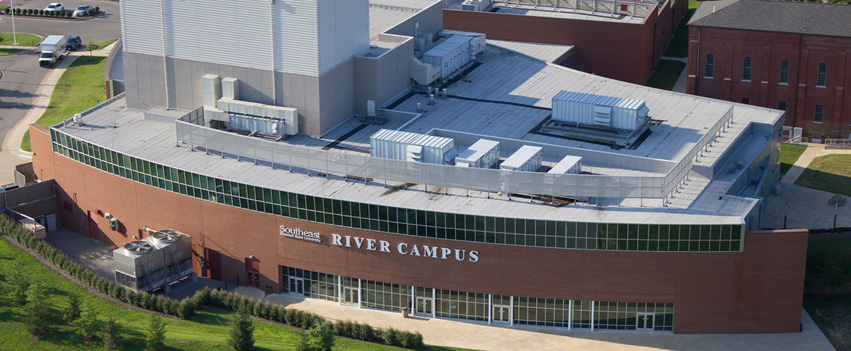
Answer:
x=808 y=208
x=680 y=86
x=480 y=336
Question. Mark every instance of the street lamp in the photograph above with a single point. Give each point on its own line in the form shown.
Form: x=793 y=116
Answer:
x=12 y=11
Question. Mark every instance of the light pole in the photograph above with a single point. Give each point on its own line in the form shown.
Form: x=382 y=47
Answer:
x=12 y=11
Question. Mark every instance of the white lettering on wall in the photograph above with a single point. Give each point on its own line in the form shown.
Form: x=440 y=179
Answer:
x=437 y=252
x=300 y=234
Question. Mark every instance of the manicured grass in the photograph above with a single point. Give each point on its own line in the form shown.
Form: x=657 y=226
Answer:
x=789 y=153
x=833 y=316
x=820 y=253
x=678 y=47
x=207 y=330
x=103 y=43
x=666 y=74
x=24 y=39
x=9 y=51
x=80 y=88
x=831 y=173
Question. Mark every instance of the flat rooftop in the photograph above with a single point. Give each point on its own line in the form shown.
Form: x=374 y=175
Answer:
x=541 y=51
x=477 y=104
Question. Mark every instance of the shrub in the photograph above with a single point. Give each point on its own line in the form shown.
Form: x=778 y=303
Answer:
x=186 y=309
x=41 y=12
x=411 y=340
x=365 y=332
x=291 y=317
x=155 y=337
x=242 y=332
x=390 y=336
x=69 y=14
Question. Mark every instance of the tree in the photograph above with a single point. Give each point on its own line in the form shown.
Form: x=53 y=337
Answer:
x=87 y=322
x=303 y=344
x=242 y=333
x=19 y=282
x=72 y=311
x=321 y=336
x=37 y=310
x=91 y=47
x=155 y=340
x=108 y=333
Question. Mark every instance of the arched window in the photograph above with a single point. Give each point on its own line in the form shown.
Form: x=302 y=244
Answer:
x=822 y=74
x=784 y=71
x=746 y=69
x=710 y=66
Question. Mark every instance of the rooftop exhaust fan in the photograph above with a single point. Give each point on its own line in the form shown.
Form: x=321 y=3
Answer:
x=138 y=247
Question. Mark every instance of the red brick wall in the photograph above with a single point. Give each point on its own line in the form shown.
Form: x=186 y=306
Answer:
x=623 y=51
x=755 y=291
x=767 y=50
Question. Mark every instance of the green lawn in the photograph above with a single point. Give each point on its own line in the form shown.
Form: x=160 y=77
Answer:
x=832 y=317
x=820 y=253
x=207 y=330
x=103 y=43
x=666 y=74
x=678 y=47
x=80 y=88
x=24 y=39
x=831 y=173
x=9 y=51
x=789 y=153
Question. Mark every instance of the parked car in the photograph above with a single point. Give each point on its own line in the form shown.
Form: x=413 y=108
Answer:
x=73 y=43
x=55 y=6
x=82 y=10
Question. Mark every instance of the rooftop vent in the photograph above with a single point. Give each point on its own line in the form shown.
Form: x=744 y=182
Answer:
x=139 y=247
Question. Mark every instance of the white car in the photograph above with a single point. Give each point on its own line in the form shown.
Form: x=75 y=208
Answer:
x=82 y=10
x=56 y=6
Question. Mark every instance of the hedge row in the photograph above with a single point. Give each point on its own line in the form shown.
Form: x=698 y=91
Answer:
x=187 y=307
x=38 y=12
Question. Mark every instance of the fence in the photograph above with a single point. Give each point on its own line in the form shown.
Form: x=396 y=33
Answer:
x=613 y=7
x=837 y=144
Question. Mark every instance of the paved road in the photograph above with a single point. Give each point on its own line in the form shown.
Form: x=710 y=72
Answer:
x=20 y=78
x=105 y=26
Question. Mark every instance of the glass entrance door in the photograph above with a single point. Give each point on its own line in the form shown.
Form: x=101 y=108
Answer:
x=500 y=314
x=350 y=296
x=644 y=321
x=424 y=307
x=296 y=285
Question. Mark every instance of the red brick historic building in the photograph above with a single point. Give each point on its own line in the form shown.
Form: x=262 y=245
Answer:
x=625 y=45
x=785 y=55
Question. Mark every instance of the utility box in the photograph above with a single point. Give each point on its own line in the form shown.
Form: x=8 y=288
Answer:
x=450 y=55
x=483 y=153
x=406 y=146
x=568 y=165
x=526 y=159
x=591 y=110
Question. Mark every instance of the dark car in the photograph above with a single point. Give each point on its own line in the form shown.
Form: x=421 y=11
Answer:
x=73 y=43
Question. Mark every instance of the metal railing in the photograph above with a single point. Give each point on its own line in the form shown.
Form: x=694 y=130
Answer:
x=837 y=143
x=612 y=7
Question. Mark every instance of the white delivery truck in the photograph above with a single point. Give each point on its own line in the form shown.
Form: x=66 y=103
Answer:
x=52 y=50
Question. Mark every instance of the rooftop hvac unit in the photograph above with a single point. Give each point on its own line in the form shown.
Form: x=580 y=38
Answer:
x=526 y=159
x=405 y=146
x=450 y=55
x=156 y=261
x=599 y=111
x=568 y=165
x=482 y=154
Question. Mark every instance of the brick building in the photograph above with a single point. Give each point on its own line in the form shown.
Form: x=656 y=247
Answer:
x=791 y=56
x=624 y=45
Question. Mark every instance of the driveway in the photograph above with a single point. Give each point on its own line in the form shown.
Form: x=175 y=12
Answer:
x=20 y=77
